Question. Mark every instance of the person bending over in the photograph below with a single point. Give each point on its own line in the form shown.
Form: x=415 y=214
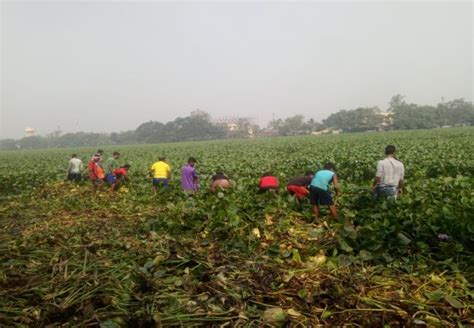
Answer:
x=319 y=193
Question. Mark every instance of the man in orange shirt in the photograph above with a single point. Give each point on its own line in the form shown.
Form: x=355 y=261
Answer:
x=96 y=171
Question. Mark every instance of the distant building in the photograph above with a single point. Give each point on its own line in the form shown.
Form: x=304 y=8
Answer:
x=29 y=132
x=326 y=131
x=236 y=123
x=386 y=119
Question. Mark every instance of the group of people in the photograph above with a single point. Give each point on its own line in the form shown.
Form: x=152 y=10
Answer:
x=388 y=181
x=100 y=173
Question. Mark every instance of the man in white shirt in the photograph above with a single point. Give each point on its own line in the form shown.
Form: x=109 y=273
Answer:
x=74 y=169
x=389 y=176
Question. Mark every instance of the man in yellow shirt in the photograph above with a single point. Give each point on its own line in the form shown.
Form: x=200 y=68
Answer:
x=161 y=173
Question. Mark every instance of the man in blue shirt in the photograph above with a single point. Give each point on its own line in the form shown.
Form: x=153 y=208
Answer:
x=319 y=189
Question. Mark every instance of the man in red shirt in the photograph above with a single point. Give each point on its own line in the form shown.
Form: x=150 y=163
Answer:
x=268 y=182
x=299 y=187
x=120 y=175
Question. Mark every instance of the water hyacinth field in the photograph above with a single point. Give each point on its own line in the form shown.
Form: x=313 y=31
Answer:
x=71 y=257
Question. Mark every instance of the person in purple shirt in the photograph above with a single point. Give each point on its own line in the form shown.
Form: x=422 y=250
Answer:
x=189 y=178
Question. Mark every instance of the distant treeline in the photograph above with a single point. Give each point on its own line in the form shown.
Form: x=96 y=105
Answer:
x=199 y=126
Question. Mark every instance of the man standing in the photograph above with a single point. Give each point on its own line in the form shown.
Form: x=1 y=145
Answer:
x=74 y=169
x=161 y=173
x=111 y=164
x=319 y=193
x=389 y=175
x=189 y=178
x=96 y=172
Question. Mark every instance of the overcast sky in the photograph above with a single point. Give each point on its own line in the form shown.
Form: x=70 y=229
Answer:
x=104 y=67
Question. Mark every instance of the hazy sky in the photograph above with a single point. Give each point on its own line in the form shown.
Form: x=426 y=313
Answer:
x=103 y=67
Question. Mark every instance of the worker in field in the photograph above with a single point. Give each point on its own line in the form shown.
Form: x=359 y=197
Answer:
x=75 y=169
x=97 y=173
x=268 y=182
x=110 y=165
x=389 y=175
x=160 y=171
x=319 y=193
x=120 y=175
x=189 y=177
x=299 y=187
x=96 y=158
x=219 y=181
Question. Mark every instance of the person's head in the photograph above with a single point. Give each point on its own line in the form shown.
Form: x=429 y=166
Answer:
x=126 y=166
x=192 y=161
x=219 y=173
x=96 y=158
x=330 y=166
x=73 y=156
x=267 y=174
x=116 y=154
x=309 y=174
x=161 y=158
x=390 y=150
x=100 y=151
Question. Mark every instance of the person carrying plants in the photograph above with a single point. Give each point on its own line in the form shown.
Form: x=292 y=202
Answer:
x=319 y=193
x=120 y=175
x=111 y=164
x=189 y=177
x=74 y=169
x=219 y=181
x=268 y=182
x=388 y=181
x=299 y=187
x=161 y=173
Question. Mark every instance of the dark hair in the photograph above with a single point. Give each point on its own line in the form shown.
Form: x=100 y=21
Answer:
x=219 y=173
x=100 y=151
x=309 y=173
x=330 y=166
x=126 y=166
x=161 y=158
x=390 y=150
x=192 y=160
x=73 y=155
x=116 y=153
x=267 y=174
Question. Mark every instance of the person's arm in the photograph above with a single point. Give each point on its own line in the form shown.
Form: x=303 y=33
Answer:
x=400 y=182
x=68 y=168
x=109 y=165
x=400 y=186
x=195 y=176
x=378 y=175
x=168 y=174
x=335 y=182
x=81 y=167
